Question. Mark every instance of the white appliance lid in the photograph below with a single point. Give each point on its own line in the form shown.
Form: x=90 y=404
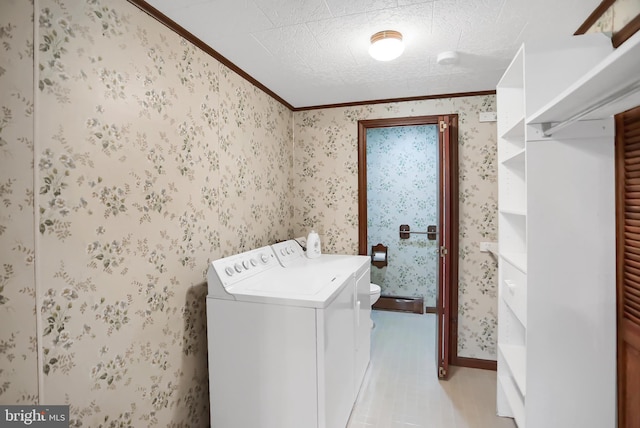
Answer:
x=291 y=289
x=289 y=254
x=265 y=281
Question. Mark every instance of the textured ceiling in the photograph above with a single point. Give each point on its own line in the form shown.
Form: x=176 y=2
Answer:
x=315 y=52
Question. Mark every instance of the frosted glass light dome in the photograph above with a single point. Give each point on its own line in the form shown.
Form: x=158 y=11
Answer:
x=386 y=45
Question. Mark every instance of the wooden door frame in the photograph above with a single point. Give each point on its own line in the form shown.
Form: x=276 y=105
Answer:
x=620 y=217
x=451 y=168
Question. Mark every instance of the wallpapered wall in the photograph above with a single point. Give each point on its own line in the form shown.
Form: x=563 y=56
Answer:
x=18 y=351
x=326 y=197
x=402 y=188
x=619 y=14
x=147 y=159
x=150 y=159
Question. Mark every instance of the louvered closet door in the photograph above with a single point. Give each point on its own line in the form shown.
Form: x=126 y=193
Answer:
x=628 y=260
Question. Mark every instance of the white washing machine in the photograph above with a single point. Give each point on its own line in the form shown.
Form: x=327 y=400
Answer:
x=279 y=347
x=291 y=256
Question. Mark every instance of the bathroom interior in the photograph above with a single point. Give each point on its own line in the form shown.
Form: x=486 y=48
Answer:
x=402 y=188
x=135 y=152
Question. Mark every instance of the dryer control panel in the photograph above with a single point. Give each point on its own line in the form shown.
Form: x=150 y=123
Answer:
x=224 y=273
x=288 y=252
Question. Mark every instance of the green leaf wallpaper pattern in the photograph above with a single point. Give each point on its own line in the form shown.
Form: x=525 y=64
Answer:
x=149 y=159
x=152 y=159
x=18 y=351
x=318 y=168
x=402 y=188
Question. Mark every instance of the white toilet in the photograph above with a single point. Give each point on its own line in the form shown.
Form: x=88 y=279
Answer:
x=374 y=292
x=374 y=295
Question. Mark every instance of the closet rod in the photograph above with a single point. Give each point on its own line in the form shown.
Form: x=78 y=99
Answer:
x=548 y=130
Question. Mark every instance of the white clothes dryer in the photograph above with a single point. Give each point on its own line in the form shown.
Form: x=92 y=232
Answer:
x=291 y=255
x=279 y=344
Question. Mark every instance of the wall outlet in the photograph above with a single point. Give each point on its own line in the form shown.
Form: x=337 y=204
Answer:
x=488 y=247
x=488 y=116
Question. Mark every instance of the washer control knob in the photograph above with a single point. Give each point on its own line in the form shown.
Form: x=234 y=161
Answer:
x=228 y=270
x=238 y=267
x=264 y=258
x=282 y=251
x=288 y=250
x=254 y=262
x=246 y=264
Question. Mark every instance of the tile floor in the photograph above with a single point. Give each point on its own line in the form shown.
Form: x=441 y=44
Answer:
x=401 y=388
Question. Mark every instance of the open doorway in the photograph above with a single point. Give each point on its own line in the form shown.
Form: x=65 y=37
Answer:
x=414 y=167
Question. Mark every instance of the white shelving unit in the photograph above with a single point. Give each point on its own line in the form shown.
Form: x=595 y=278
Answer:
x=512 y=217
x=513 y=398
x=516 y=358
x=556 y=306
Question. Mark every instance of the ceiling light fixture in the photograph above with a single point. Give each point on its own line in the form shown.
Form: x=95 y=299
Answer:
x=386 y=45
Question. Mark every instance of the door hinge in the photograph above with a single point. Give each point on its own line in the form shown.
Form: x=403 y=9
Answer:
x=443 y=125
x=442 y=373
x=443 y=251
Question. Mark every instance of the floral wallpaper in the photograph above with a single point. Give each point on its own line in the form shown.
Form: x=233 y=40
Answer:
x=619 y=14
x=133 y=160
x=150 y=158
x=326 y=197
x=402 y=188
x=18 y=354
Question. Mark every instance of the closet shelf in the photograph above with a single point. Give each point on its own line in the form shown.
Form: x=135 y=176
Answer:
x=514 y=211
x=513 y=398
x=517 y=260
x=516 y=312
x=516 y=131
x=611 y=87
x=516 y=159
x=516 y=358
